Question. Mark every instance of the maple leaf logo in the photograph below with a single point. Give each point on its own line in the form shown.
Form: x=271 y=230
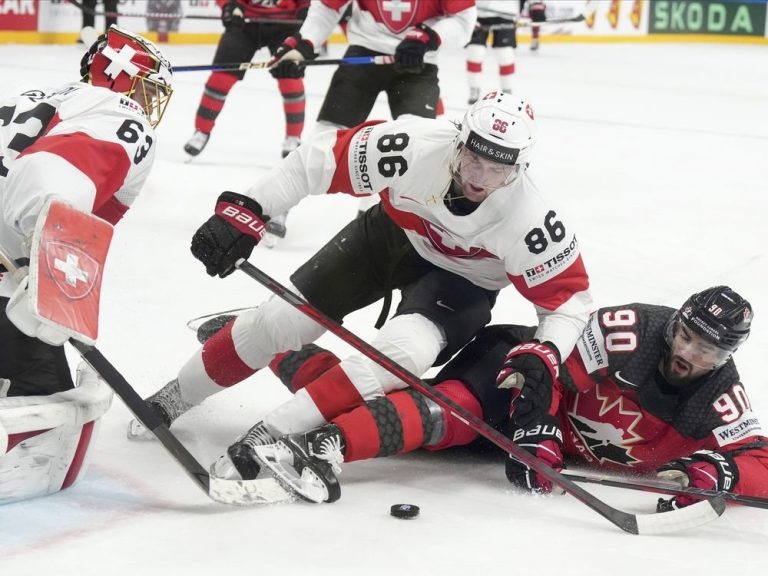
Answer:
x=605 y=427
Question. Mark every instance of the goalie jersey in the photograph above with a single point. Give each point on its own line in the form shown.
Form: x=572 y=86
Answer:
x=83 y=144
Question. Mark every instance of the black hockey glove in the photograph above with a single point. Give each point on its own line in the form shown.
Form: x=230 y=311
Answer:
x=545 y=441
x=229 y=235
x=409 y=54
x=289 y=58
x=703 y=469
x=232 y=15
x=530 y=370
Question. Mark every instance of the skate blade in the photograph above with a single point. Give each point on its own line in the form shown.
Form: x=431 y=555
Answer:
x=249 y=492
x=277 y=458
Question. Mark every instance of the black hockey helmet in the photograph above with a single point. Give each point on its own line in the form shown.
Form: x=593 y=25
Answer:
x=720 y=317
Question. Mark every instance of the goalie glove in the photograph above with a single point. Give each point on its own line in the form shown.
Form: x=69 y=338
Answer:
x=703 y=469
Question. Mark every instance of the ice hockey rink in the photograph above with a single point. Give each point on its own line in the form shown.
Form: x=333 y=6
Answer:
x=657 y=153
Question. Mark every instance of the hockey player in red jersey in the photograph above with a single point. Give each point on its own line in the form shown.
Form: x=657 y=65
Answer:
x=647 y=388
x=89 y=144
x=449 y=243
x=412 y=32
x=250 y=25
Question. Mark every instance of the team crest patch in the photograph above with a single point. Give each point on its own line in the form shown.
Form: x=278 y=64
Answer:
x=73 y=271
x=397 y=15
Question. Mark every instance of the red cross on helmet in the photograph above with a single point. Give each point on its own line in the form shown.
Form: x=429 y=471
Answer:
x=129 y=64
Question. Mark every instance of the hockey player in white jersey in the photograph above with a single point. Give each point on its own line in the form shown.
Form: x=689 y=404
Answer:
x=88 y=144
x=459 y=219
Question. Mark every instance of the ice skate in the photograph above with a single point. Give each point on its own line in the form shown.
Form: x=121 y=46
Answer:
x=166 y=403
x=239 y=462
x=197 y=143
x=307 y=463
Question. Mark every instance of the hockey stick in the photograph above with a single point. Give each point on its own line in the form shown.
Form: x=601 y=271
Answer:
x=240 y=492
x=684 y=518
x=172 y=16
x=589 y=8
x=261 y=65
x=661 y=487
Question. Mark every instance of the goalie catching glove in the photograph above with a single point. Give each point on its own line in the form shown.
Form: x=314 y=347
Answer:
x=704 y=469
x=230 y=234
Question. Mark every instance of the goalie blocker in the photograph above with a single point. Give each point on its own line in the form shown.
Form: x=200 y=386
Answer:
x=58 y=295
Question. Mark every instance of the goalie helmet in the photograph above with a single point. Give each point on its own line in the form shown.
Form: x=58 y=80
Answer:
x=720 y=317
x=498 y=128
x=129 y=64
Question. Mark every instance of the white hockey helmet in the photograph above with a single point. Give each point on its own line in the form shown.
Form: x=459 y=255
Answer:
x=126 y=63
x=499 y=128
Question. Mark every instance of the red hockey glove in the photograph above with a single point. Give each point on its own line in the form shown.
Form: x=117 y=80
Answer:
x=229 y=235
x=409 y=54
x=289 y=58
x=530 y=369
x=703 y=469
x=232 y=15
x=545 y=441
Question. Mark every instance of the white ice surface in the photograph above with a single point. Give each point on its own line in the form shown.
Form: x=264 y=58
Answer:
x=657 y=153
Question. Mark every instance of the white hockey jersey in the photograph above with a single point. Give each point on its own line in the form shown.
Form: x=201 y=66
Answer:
x=381 y=26
x=514 y=236
x=86 y=145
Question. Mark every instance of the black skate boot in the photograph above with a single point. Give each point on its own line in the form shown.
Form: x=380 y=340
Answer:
x=240 y=461
x=307 y=463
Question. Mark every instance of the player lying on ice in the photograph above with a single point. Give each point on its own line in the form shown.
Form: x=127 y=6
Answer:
x=80 y=153
x=646 y=388
x=459 y=219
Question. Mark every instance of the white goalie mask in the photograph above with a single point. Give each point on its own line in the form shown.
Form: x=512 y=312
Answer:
x=494 y=144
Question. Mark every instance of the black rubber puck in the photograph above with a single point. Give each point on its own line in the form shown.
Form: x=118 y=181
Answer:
x=404 y=511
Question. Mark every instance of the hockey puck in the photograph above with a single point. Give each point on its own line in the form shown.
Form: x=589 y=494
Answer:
x=404 y=511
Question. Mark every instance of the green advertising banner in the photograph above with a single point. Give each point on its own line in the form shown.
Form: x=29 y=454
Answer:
x=708 y=17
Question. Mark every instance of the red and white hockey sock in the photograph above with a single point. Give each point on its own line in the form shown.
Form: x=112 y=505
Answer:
x=294 y=104
x=216 y=90
x=297 y=368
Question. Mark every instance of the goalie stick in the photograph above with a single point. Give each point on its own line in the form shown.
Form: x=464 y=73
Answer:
x=657 y=523
x=172 y=16
x=238 y=492
x=354 y=60
x=661 y=487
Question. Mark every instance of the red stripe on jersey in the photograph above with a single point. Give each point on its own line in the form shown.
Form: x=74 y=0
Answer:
x=106 y=164
x=361 y=434
x=79 y=457
x=341 y=181
x=414 y=223
x=112 y=211
x=221 y=361
x=334 y=393
x=410 y=419
x=558 y=289
x=398 y=16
